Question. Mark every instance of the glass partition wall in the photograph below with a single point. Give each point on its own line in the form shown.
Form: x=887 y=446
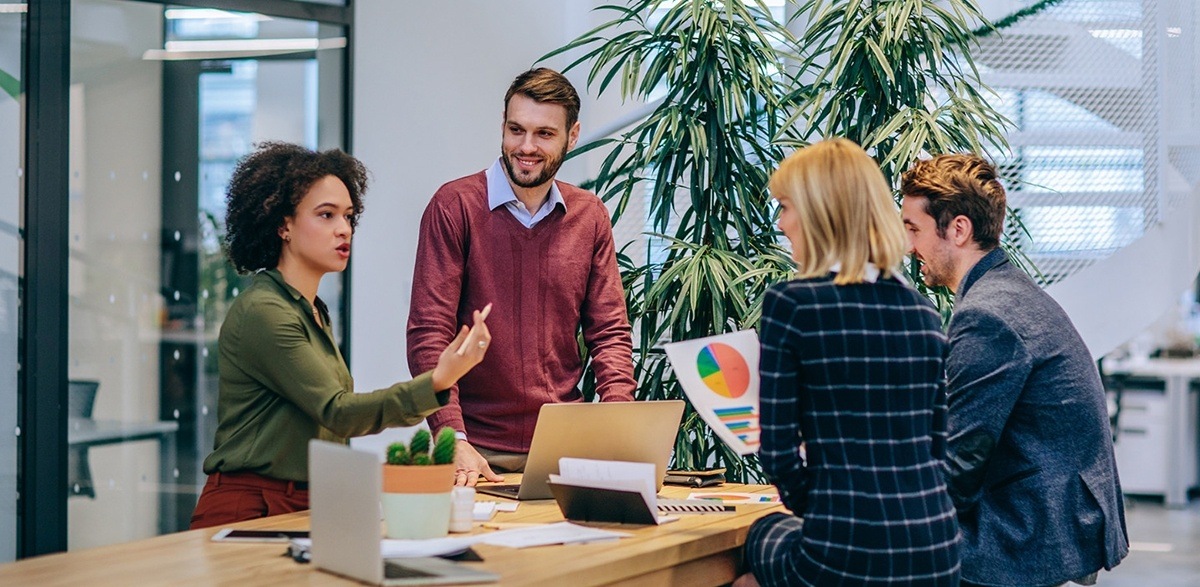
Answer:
x=12 y=125
x=163 y=100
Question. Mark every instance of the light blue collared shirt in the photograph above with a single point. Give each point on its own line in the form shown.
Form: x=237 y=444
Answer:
x=500 y=193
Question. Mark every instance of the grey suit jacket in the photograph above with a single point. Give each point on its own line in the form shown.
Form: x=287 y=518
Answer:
x=1030 y=465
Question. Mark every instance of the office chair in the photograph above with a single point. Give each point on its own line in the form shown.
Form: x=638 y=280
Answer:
x=1114 y=389
x=81 y=397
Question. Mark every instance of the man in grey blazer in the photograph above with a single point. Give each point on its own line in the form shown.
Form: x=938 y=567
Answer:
x=1030 y=462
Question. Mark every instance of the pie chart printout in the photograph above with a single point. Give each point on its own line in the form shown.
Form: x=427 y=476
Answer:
x=724 y=370
x=719 y=374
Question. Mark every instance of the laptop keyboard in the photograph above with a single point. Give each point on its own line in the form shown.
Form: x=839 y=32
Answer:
x=398 y=571
x=506 y=490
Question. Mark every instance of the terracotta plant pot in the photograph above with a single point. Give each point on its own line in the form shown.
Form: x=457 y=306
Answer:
x=416 y=500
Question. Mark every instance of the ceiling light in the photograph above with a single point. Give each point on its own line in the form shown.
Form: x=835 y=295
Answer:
x=239 y=48
x=210 y=14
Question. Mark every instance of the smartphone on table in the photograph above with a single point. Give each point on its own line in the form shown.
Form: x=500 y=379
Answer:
x=242 y=535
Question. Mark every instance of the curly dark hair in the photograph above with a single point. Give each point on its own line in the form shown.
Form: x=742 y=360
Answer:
x=266 y=187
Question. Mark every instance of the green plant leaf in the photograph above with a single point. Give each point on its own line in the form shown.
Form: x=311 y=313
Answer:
x=10 y=85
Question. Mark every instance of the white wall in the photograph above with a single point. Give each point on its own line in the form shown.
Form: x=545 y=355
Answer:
x=429 y=87
x=1113 y=300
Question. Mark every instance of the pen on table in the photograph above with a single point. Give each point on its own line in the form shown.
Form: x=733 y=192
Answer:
x=483 y=314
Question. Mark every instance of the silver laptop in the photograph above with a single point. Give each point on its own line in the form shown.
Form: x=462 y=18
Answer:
x=640 y=432
x=344 y=493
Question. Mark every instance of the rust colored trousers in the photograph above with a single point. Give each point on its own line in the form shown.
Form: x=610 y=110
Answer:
x=236 y=497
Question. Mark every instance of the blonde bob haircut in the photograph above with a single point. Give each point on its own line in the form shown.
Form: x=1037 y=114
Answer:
x=845 y=211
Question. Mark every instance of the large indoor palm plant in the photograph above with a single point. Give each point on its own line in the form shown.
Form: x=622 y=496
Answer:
x=738 y=90
x=896 y=76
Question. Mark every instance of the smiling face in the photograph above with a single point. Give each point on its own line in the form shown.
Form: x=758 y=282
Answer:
x=535 y=141
x=317 y=236
x=934 y=251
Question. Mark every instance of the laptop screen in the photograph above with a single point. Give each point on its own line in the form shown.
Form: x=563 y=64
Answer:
x=344 y=491
x=640 y=432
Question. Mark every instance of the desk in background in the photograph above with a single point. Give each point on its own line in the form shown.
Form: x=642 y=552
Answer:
x=696 y=550
x=1156 y=446
x=87 y=432
x=84 y=433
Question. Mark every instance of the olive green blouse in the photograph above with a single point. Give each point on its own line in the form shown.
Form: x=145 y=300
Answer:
x=283 y=381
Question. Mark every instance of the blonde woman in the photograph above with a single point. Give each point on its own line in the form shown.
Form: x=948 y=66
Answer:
x=852 y=369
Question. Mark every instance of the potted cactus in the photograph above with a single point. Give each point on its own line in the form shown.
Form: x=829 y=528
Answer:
x=417 y=480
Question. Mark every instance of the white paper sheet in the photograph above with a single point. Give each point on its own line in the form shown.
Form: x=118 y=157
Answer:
x=483 y=511
x=560 y=533
x=537 y=535
x=719 y=374
x=392 y=548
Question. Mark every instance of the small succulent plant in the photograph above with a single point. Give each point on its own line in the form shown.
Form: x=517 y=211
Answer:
x=417 y=452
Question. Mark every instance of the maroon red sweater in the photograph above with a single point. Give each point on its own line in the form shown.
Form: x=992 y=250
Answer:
x=544 y=283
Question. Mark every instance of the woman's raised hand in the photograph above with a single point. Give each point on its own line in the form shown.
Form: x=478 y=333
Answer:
x=464 y=352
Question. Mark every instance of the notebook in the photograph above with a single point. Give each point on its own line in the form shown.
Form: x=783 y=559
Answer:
x=592 y=490
x=344 y=493
x=641 y=432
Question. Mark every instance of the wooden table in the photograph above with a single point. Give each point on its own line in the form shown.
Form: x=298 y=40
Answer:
x=696 y=550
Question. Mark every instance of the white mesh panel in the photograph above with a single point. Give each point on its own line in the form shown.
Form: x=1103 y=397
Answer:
x=1102 y=95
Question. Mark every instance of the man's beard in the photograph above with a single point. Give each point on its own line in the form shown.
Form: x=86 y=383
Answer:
x=550 y=167
x=934 y=276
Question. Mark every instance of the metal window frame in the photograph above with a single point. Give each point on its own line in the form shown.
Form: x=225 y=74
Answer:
x=42 y=504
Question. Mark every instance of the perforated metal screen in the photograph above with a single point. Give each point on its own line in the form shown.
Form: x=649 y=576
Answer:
x=1100 y=92
x=1103 y=95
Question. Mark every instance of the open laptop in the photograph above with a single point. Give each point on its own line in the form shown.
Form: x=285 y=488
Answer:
x=640 y=432
x=344 y=493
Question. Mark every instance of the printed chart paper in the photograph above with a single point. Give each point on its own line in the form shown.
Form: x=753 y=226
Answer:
x=737 y=498
x=719 y=374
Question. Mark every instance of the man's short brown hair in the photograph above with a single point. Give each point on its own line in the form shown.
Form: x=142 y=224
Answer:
x=546 y=86
x=960 y=185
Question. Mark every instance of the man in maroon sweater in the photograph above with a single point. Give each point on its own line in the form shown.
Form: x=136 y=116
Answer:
x=541 y=251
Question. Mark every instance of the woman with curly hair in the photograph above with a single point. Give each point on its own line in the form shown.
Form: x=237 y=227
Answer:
x=291 y=215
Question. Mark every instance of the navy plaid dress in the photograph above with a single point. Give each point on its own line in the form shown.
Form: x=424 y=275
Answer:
x=855 y=373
